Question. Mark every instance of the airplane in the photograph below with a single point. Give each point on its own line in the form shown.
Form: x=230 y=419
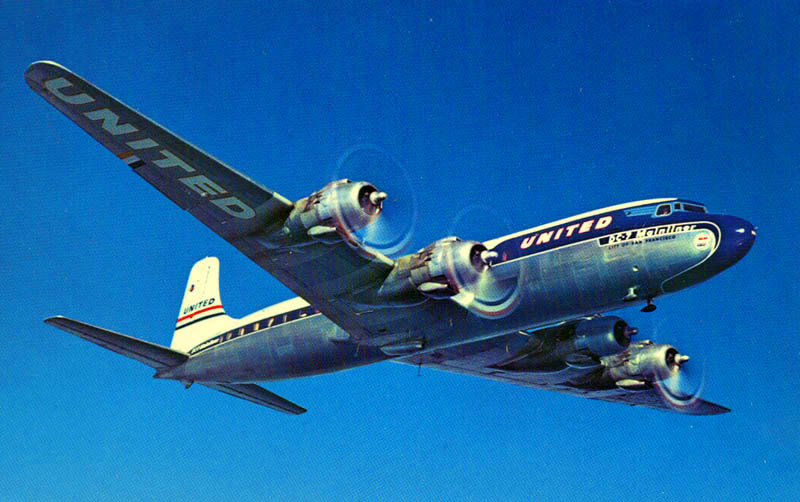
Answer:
x=530 y=308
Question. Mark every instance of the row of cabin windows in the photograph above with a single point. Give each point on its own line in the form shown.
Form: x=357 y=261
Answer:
x=269 y=322
x=665 y=209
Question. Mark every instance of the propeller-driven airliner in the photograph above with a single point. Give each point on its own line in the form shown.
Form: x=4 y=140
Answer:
x=530 y=308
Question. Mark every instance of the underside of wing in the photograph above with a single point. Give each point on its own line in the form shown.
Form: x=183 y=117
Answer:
x=530 y=360
x=258 y=395
x=154 y=355
x=227 y=201
x=653 y=398
x=309 y=246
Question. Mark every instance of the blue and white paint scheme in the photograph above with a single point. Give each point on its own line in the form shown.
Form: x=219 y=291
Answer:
x=528 y=308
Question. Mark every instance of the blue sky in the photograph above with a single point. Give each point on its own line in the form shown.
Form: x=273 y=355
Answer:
x=527 y=112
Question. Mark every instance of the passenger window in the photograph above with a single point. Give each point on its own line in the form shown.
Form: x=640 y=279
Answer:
x=255 y=327
x=241 y=331
x=663 y=210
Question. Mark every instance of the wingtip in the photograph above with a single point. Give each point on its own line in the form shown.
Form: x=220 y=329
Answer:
x=38 y=71
x=708 y=408
x=54 y=319
x=43 y=62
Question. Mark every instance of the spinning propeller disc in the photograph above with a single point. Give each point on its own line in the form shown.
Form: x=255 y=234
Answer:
x=497 y=292
x=391 y=233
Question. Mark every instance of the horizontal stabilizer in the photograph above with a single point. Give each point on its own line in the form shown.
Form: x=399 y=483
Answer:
x=151 y=354
x=256 y=394
x=160 y=357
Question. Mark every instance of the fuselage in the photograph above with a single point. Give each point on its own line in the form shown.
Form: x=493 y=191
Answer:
x=587 y=264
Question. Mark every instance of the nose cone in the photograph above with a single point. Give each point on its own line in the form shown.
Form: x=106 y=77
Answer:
x=736 y=239
x=738 y=236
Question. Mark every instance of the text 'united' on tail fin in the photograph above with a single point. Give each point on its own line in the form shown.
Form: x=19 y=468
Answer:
x=201 y=314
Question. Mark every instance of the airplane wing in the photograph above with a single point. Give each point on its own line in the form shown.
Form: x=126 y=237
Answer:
x=237 y=208
x=494 y=359
x=160 y=357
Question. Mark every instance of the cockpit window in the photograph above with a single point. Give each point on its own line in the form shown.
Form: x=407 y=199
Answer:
x=694 y=208
x=663 y=210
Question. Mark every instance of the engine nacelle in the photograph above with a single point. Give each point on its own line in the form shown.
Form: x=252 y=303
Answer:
x=579 y=345
x=644 y=362
x=338 y=209
x=442 y=268
x=439 y=270
x=602 y=336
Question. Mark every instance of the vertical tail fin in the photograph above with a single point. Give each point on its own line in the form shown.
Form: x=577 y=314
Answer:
x=202 y=314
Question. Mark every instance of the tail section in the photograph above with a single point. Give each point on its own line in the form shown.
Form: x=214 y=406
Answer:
x=202 y=314
x=162 y=359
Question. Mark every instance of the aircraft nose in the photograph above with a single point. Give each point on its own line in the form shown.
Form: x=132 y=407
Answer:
x=736 y=238
x=742 y=237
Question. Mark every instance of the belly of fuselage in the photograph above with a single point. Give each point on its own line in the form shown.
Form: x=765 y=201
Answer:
x=305 y=347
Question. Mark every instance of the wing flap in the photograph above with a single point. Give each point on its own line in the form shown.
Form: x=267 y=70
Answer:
x=154 y=355
x=256 y=394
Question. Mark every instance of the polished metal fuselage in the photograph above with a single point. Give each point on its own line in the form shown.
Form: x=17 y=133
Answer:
x=634 y=258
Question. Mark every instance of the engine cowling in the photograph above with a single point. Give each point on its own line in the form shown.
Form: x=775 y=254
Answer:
x=442 y=268
x=335 y=211
x=580 y=345
x=602 y=336
x=644 y=362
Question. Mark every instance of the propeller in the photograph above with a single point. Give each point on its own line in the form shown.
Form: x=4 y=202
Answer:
x=391 y=233
x=684 y=385
x=497 y=291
